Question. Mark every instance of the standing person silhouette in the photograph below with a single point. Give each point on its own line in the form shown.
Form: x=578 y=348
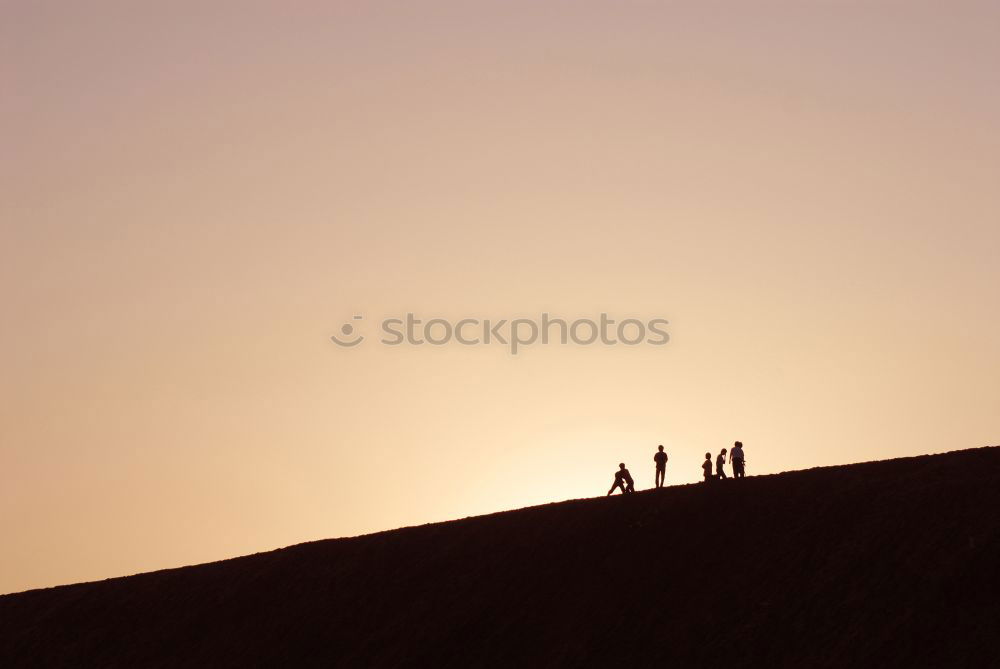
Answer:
x=623 y=480
x=660 y=458
x=720 y=465
x=736 y=457
x=706 y=467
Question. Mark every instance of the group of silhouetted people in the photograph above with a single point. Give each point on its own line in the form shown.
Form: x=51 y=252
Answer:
x=624 y=482
x=735 y=458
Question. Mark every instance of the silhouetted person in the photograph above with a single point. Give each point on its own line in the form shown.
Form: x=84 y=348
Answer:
x=736 y=457
x=720 y=465
x=661 y=466
x=707 y=467
x=623 y=480
x=629 y=483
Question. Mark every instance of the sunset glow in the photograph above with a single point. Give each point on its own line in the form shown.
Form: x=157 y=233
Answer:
x=195 y=197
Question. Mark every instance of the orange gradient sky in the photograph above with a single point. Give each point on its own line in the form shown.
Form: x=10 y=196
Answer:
x=195 y=196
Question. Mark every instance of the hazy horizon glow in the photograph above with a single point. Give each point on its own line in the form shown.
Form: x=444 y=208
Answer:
x=194 y=198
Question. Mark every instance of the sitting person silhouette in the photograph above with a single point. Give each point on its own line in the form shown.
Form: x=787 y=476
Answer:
x=707 y=467
x=660 y=458
x=623 y=480
x=720 y=464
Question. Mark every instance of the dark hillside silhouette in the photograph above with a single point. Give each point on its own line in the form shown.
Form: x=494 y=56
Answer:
x=883 y=564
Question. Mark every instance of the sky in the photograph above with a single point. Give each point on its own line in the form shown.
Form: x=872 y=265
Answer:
x=194 y=197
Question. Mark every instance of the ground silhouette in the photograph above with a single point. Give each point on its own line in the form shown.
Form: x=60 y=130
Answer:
x=883 y=564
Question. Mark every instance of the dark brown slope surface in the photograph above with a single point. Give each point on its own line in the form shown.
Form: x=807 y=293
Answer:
x=885 y=564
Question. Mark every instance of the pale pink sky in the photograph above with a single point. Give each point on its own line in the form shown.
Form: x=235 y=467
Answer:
x=193 y=198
